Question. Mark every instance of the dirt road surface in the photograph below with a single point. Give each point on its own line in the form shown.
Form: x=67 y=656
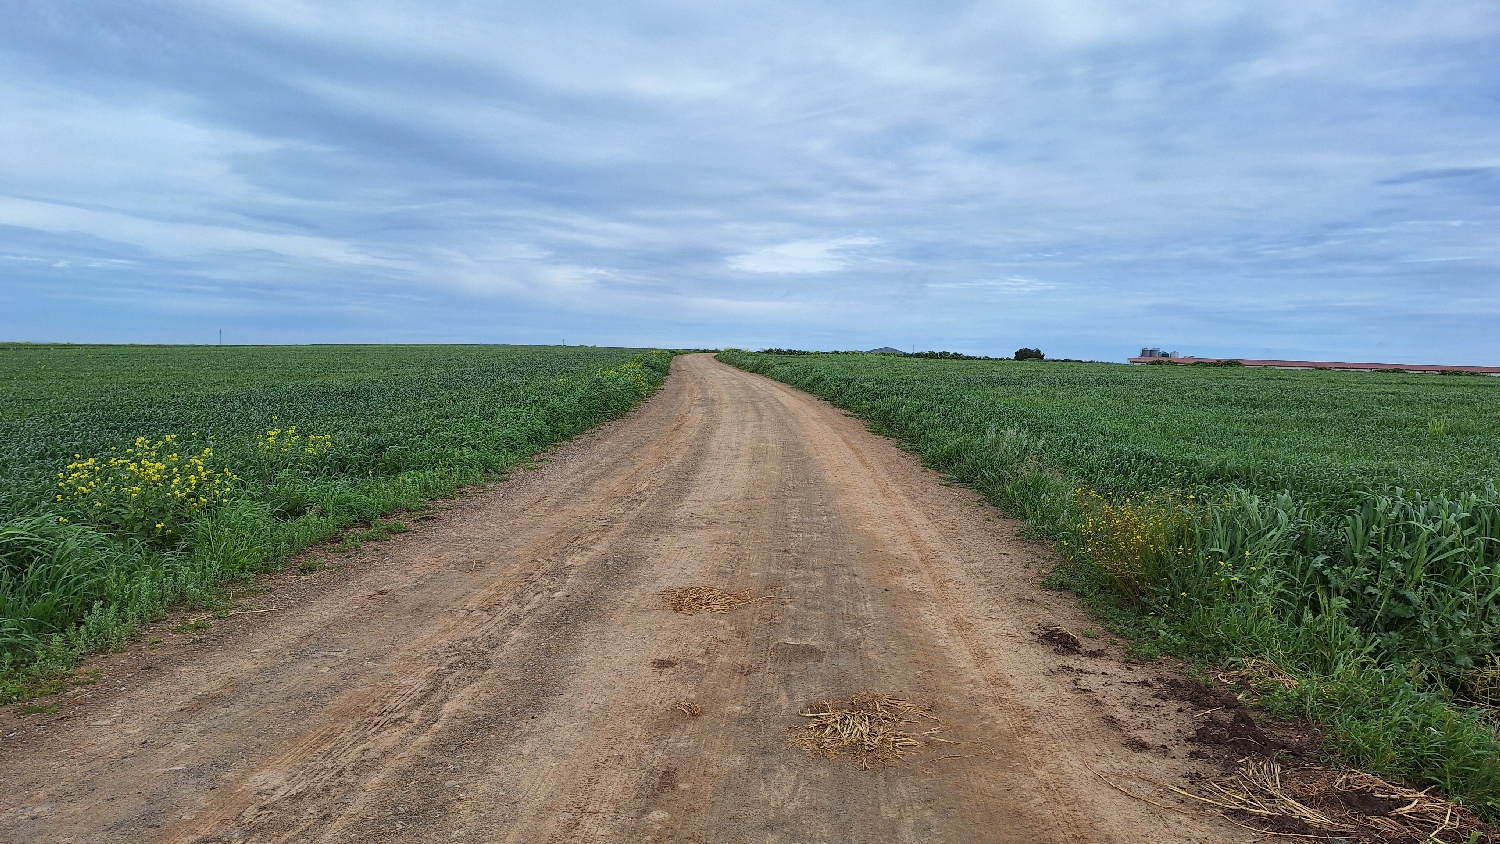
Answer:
x=509 y=672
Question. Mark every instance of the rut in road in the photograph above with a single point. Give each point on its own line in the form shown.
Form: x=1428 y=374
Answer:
x=510 y=672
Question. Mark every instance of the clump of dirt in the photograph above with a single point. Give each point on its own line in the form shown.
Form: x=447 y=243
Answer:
x=1060 y=638
x=1241 y=734
x=1364 y=802
x=871 y=729
x=1189 y=691
x=667 y=781
x=695 y=599
x=663 y=663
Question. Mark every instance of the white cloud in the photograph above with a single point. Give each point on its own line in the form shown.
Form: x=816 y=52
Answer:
x=177 y=240
x=802 y=256
x=1012 y=284
x=637 y=163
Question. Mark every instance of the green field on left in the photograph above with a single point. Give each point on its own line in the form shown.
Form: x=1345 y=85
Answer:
x=135 y=478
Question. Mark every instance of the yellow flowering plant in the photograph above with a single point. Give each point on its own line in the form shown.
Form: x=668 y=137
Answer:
x=150 y=489
x=632 y=373
x=1133 y=539
x=280 y=449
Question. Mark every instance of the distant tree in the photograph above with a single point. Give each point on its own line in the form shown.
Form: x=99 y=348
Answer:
x=1030 y=354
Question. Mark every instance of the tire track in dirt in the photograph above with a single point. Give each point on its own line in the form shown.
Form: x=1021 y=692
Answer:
x=508 y=672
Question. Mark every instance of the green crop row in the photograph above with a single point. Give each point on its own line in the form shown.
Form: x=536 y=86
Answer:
x=1343 y=527
x=132 y=478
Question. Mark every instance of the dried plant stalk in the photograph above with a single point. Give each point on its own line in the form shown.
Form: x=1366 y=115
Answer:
x=694 y=599
x=871 y=728
x=1322 y=800
x=1257 y=790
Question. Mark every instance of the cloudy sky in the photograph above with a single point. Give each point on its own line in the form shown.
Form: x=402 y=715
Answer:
x=1292 y=179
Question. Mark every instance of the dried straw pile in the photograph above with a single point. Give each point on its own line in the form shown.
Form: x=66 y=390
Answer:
x=694 y=599
x=1342 y=803
x=871 y=728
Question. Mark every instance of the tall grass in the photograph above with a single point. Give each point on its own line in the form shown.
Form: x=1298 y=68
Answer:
x=51 y=574
x=1382 y=602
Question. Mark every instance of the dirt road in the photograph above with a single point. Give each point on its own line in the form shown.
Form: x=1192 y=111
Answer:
x=508 y=671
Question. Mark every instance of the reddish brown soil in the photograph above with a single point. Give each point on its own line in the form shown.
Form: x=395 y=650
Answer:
x=508 y=671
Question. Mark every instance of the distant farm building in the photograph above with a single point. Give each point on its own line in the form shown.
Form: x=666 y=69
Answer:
x=1156 y=355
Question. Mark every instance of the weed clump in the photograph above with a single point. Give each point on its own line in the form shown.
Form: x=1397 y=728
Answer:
x=280 y=450
x=149 y=490
x=1132 y=539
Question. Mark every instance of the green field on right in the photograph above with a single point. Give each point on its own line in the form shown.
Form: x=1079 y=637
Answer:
x=1342 y=527
x=1324 y=434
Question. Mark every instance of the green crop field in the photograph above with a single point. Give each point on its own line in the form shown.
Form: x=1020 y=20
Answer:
x=1342 y=527
x=135 y=477
x=1122 y=428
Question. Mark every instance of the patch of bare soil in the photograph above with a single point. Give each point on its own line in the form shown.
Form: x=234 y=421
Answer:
x=508 y=672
